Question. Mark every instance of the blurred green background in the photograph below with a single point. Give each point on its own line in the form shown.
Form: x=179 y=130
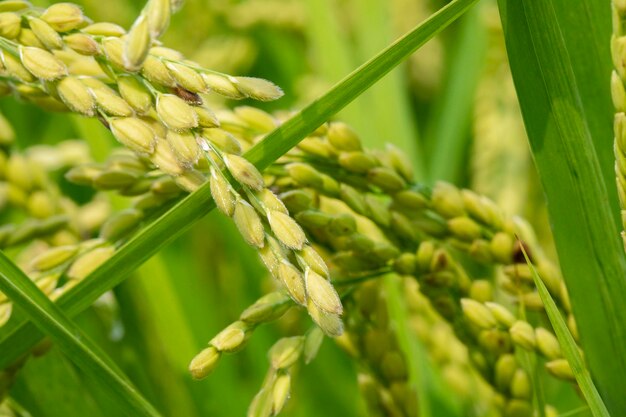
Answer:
x=451 y=108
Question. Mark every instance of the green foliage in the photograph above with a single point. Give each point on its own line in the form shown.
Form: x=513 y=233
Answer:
x=49 y=318
x=568 y=142
x=570 y=348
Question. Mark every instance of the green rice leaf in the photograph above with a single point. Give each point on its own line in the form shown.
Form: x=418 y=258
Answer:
x=19 y=335
x=564 y=132
x=569 y=347
x=49 y=318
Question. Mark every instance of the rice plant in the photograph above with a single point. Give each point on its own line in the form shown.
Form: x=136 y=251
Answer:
x=385 y=243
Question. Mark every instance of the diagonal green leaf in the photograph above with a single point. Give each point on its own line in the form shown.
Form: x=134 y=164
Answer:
x=33 y=389
x=19 y=335
x=562 y=126
x=52 y=321
x=569 y=346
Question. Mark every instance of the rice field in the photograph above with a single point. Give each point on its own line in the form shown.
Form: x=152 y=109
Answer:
x=312 y=208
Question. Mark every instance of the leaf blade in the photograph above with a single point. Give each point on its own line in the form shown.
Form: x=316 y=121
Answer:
x=569 y=346
x=51 y=320
x=579 y=203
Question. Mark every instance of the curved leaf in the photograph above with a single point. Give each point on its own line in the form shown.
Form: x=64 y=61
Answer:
x=49 y=318
x=563 y=124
